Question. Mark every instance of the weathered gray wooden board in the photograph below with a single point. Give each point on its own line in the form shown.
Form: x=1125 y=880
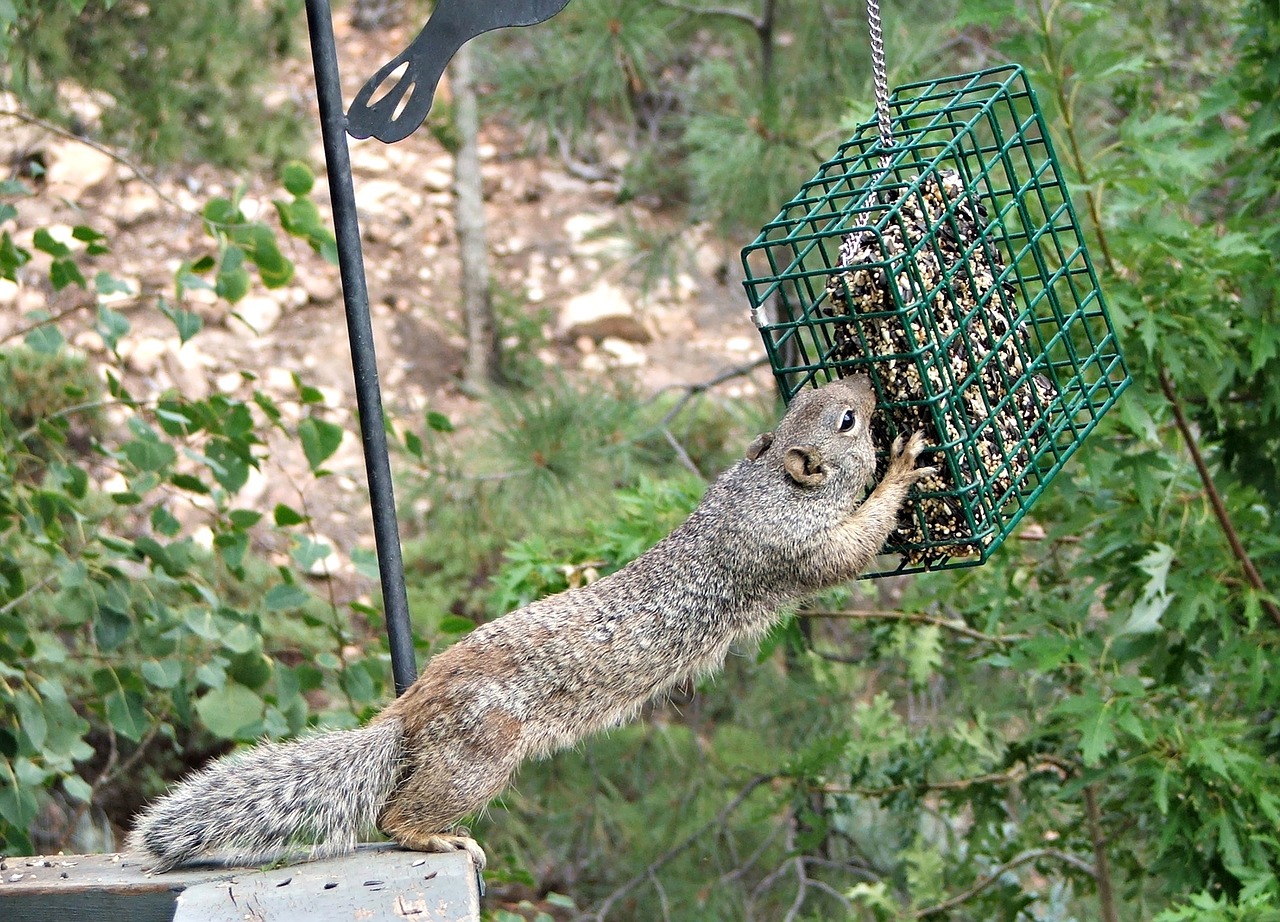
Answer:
x=376 y=883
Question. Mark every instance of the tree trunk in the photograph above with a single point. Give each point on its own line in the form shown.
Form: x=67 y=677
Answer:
x=482 y=366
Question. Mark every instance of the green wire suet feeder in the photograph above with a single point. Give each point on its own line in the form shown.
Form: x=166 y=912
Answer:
x=938 y=253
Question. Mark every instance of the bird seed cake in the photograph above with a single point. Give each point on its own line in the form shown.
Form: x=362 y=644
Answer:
x=963 y=327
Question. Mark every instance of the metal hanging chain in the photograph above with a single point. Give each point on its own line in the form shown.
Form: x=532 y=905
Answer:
x=881 y=80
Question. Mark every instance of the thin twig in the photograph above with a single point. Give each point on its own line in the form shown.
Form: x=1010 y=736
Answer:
x=693 y=390
x=26 y=594
x=102 y=149
x=1215 y=497
x=669 y=854
x=681 y=455
x=955 y=626
x=802 y=890
x=955 y=784
x=52 y=318
x=723 y=12
x=985 y=882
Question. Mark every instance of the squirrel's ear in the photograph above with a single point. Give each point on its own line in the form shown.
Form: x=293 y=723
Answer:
x=759 y=445
x=804 y=465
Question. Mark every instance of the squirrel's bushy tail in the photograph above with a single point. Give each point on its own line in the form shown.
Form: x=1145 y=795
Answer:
x=320 y=791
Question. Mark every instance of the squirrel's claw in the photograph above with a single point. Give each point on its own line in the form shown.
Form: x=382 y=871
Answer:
x=903 y=456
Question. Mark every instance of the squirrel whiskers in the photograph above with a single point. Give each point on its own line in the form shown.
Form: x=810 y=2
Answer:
x=788 y=520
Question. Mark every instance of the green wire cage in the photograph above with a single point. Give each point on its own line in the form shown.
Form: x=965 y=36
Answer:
x=949 y=267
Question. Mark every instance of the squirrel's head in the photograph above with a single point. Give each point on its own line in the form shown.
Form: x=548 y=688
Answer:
x=825 y=437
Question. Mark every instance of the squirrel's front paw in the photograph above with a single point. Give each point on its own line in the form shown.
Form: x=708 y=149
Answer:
x=902 y=459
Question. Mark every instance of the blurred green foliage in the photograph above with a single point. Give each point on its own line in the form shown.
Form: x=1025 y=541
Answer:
x=173 y=81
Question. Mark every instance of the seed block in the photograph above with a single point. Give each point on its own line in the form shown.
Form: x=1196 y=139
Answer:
x=951 y=269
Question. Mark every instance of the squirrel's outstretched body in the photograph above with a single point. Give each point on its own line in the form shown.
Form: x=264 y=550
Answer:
x=785 y=522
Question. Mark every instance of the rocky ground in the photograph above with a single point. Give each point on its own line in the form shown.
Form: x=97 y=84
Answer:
x=557 y=248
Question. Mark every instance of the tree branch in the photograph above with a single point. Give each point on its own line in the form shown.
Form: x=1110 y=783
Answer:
x=102 y=149
x=985 y=882
x=724 y=12
x=955 y=626
x=1102 y=865
x=1215 y=497
x=669 y=854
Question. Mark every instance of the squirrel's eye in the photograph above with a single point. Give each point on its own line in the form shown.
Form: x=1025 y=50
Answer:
x=849 y=419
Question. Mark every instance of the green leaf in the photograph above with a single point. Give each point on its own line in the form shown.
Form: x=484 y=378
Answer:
x=320 y=439
x=46 y=340
x=456 y=624
x=77 y=788
x=111 y=326
x=231 y=710
x=244 y=518
x=18 y=805
x=297 y=177
x=162 y=673
x=164 y=523
x=111 y=628
x=149 y=454
x=126 y=714
x=222 y=211
x=187 y=323
x=438 y=422
x=104 y=283
x=45 y=242
x=286 y=516
x=232 y=284
x=31 y=720
x=286 y=596
x=241 y=639
x=65 y=272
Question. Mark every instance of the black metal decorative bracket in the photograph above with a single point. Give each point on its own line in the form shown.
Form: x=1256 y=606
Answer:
x=392 y=117
x=396 y=113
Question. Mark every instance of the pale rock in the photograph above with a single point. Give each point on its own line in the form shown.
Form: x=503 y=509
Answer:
x=623 y=352
x=368 y=160
x=189 y=368
x=333 y=398
x=203 y=536
x=377 y=196
x=583 y=225
x=260 y=313
x=255 y=487
x=322 y=286
x=229 y=382
x=204 y=297
x=585 y=344
x=557 y=182
x=294 y=296
x=436 y=180
x=8 y=292
x=595 y=363
x=487 y=151
x=601 y=312
x=89 y=341
x=73 y=169
x=279 y=381
x=739 y=344
x=144 y=354
x=251 y=208
x=333 y=564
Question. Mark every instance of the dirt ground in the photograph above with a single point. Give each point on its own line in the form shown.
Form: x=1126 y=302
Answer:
x=557 y=251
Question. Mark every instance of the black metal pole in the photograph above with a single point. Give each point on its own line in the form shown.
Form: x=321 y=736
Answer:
x=355 y=294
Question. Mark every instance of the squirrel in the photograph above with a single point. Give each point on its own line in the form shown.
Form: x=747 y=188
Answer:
x=790 y=519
